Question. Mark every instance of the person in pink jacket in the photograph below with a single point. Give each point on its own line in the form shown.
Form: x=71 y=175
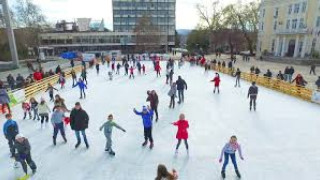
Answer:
x=182 y=133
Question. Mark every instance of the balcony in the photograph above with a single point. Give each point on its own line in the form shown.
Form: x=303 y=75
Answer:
x=292 y=31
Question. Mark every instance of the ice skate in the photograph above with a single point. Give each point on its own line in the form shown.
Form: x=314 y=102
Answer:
x=144 y=143
x=151 y=145
x=238 y=174
x=223 y=174
x=112 y=153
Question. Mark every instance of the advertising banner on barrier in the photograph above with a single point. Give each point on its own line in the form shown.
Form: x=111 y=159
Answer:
x=315 y=97
x=17 y=97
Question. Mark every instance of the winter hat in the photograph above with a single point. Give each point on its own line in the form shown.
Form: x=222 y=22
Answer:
x=144 y=108
x=18 y=136
x=110 y=116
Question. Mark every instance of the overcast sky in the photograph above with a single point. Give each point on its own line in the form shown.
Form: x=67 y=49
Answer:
x=186 y=13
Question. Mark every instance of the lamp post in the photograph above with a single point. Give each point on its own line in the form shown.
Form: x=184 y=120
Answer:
x=10 y=33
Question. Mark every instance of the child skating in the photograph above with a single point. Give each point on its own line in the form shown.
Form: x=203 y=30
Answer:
x=146 y=115
x=44 y=111
x=229 y=150
x=10 y=130
x=50 y=88
x=62 y=80
x=108 y=127
x=182 y=133
x=144 y=69
x=26 y=109
x=131 y=72
x=110 y=74
x=118 y=69
x=34 y=108
x=81 y=86
x=252 y=94
x=23 y=155
x=216 y=81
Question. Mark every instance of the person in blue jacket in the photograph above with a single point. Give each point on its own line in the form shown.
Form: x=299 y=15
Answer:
x=81 y=86
x=10 y=130
x=146 y=115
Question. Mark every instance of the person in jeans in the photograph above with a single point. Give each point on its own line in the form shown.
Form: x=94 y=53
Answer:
x=253 y=93
x=173 y=94
x=146 y=115
x=10 y=130
x=181 y=86
x=44 y=111
x=79 y=121
x=57 y=123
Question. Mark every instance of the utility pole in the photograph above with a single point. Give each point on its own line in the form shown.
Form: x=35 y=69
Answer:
x=10 y=33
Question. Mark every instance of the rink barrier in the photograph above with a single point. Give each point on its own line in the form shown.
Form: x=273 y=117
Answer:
x=42 y=85
x=271 y=83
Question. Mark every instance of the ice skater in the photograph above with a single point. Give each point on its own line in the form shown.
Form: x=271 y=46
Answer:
x=164 y=174
x=172 y=94
x=182 y=133
x=118 y=69
x=50 y=88
x=229 y=150
x=97 y=67
x=23 y=155
x=146 y=115
x=131 y=72
x=216 y=81
x=181 y=86
x=154 y=102
x=108 y=127
x=81 y=86
x=10 y=130
x=62 y=80
x=252 y=94
x=57 y=123
x=158 y=69
x=144 y=69
x=34 y=108
x=110 y=74
x=44 y=111
x=238 y=76
x=79 y=122
x=113 y=67
x=74 y=77
x=84 y=75
x=26 y=109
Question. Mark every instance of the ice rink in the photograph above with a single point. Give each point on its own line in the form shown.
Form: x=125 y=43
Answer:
x=279 y=141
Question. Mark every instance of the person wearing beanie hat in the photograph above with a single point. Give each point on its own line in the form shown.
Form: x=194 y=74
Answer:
x=79 y=121
x=146 y=115
x=23 y=156
x=107 y=127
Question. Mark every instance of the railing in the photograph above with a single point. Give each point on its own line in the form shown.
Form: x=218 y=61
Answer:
x=42 y=85
x=271 y=83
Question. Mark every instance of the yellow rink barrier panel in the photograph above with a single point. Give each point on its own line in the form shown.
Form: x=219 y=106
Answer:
x=42 y=85
x=271 y=83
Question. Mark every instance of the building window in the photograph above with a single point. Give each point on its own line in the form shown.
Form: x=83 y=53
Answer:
x=290 y=9
x=275 y=25
x=288 y=24
x=318 y=22
x=294 y=24
x=276 y=12
x=304 y=7
x=301 y=23
x=272 y=45
x=296 y=8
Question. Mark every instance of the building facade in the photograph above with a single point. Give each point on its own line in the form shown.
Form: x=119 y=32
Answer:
x=289 y=28
x=162 y=14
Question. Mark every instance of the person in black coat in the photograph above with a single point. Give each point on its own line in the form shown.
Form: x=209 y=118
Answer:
x=79 y=121
x=181 y=86
x=154 y=102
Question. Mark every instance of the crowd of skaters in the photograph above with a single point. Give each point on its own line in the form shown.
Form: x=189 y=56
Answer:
x=79 y=120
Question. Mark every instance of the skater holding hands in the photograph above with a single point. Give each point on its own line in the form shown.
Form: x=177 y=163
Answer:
x=108 y=127
x=182 y=133
x=230 y=150
x=146 y=115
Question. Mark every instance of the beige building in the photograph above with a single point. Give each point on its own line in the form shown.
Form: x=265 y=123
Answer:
x=289 y=28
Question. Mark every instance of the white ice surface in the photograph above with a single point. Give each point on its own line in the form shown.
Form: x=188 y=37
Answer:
x=279 y=141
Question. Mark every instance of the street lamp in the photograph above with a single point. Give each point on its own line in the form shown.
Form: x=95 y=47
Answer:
x=10 y=33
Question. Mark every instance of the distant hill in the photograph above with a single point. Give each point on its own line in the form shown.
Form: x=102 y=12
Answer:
x=184 y=32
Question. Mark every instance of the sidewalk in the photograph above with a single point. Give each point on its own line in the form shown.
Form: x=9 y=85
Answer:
x=274 y=68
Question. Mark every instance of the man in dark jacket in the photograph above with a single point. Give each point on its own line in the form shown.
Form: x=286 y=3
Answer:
x=79 y=121
x=10 y=130
x=24 y=155
x=253 y=93
x=11 y=81
x=181 y=85
x=154 y=102
x=318 y=83
x=20 y=81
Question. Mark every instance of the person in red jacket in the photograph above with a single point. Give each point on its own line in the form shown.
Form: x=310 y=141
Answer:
x=203 y=61
x=216 y=81
x=144 y=69
x=158 y=69
x=37 y=75
x=131 y=72
x=113 y=67
x=182 y=133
